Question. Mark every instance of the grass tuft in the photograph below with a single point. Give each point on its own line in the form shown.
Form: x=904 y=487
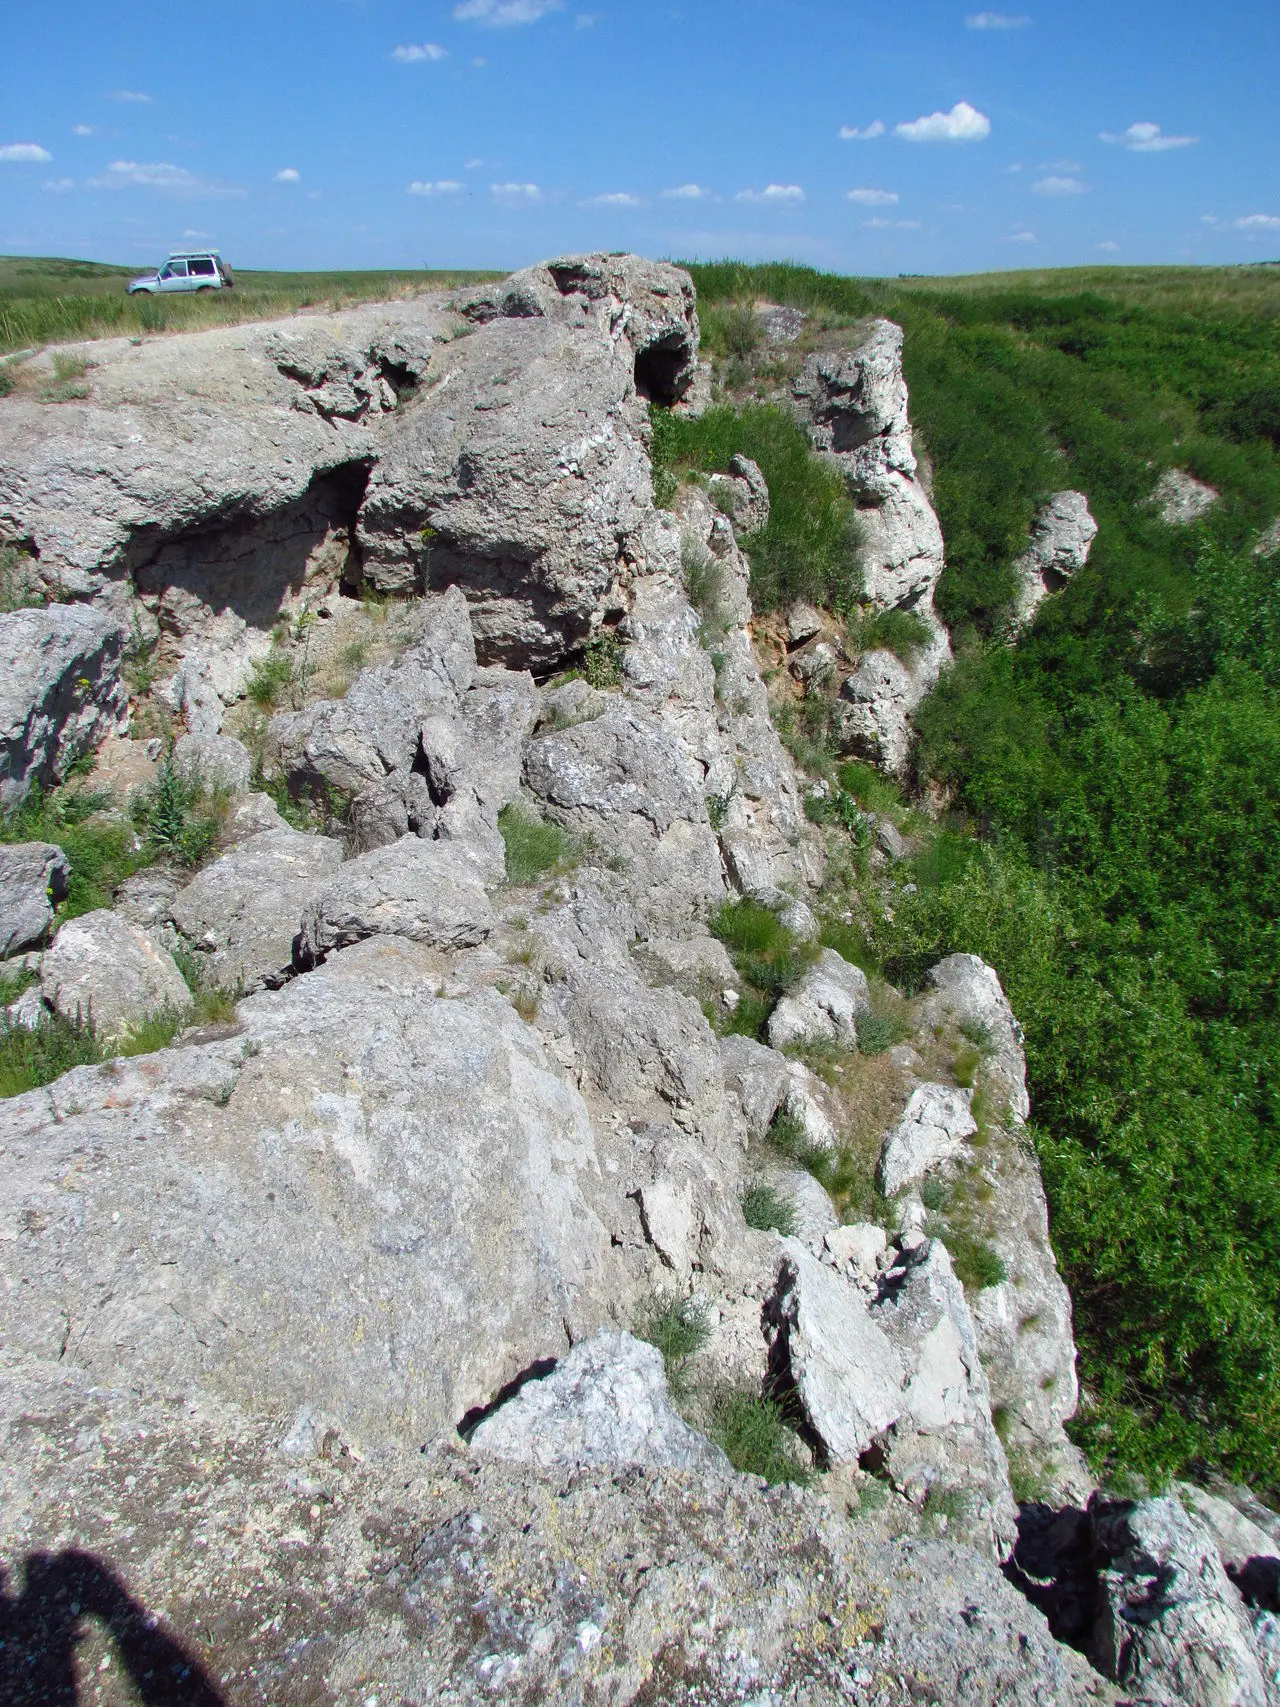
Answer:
x=679 y=1327
x=535 y=848
x=765 y=1209
x=752 y=1434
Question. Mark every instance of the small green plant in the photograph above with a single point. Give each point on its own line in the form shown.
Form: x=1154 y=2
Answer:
x=679 y=1327
x=35 y=1057
x=979 y=1034
x=20 y=586
x=102 y=847
x=934 y=1195
x=752 y=1434
x=180 y=817
x=68 y=383
x=355 y=655
x=8 y=379
x=880 y=1032
x=764 y=951
x=789 y=1138
x=765 y=1209
x=977 y=1264
x=965 y=1065
x=665 y=488
x=945 y=1506
x=740 y=329
x=902 y=632
x=602 y=661
x=535 y=848
x=268 y=679
x=704 y=587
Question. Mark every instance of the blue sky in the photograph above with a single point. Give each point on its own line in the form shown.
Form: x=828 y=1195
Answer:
x=367 y=133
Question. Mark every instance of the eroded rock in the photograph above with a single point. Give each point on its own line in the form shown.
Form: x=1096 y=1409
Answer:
x=109 y=974
x=33 y=877
x=1061 y=536
x=423 y=891
x=61 y=694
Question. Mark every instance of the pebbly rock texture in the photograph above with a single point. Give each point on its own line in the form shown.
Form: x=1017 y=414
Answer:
x=61 y=694
x=1182 y=499
x=824 y=1006
x=422 y=891
x=104 y=972
x=33 y=877
x=243 y=913
x=1061 y=537
x=605 y=1403
x=855 y=402
x=405 y=1170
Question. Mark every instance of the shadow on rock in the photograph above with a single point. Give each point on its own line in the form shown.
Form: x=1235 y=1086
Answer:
x=41 y=1628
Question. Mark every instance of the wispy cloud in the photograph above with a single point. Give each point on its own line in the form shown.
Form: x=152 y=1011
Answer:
x=1147 y=138
x=190 y=232
x=1022 y=236
x=773 y=195
x=851 y=133
x=687 y=193
x=891 y=224
x=24 y=152
x=613 y=198
x=517 y=195
x=442 y=187
x=499 y=14
x=288 y=175
x=1059 y=187
x=1257 y=222
x=414 y=53
x=873 y=198
x=998 y=21
x=1109 y=248
x=134 y=95
x=160 y=175
x=84 y=130
x=59 y=186
x=587 y=20
x=472 y=165
x=962 y=124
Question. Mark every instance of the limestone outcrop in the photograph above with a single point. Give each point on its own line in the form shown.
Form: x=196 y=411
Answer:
x=1061 y=537
x=61 y=693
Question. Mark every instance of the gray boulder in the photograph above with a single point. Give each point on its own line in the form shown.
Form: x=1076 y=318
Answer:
x=824 y=1006
x=1182 y=499
x=217 y=761
x=1061 y=536
x=934 y=1126
x=33 y=877
x=605 y=1403
x=243 y=912
x=1172 y=1628
x=757 y=1078
x=422 y=891
x=110 y=974
x=742 y=494
x=368 y=1201
x=873 y=711
x=61 y=693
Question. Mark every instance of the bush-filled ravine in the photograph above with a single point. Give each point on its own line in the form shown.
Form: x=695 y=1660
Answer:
x=1116 y=776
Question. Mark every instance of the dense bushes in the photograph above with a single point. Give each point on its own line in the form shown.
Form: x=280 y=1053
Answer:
x=1118 y=856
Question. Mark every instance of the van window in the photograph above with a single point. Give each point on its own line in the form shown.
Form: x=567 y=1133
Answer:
x=202 y=267
x=174 y=270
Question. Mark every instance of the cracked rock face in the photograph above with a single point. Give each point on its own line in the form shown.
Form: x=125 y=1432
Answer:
x=61 y=693
x=33 y=875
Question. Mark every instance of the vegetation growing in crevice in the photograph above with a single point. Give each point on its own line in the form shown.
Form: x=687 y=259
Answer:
x=534 y=847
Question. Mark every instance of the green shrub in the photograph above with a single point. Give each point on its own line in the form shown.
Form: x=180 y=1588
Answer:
x=752 y=1434
x=679 y=1328
x=180 y=816
x=789 y=1138
x=901 y=632
x=765 y=1209
x=977 y=1264
x=269 y=677
x=880 y=1032
x=810 y=547
x=764 y=951
x=602 y=661
x=29 y=1059
x=102 y=848
x=68 y=382
x=704 y=586
x=534 y=847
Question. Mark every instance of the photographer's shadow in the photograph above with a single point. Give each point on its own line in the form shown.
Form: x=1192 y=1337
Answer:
x=40 y=1629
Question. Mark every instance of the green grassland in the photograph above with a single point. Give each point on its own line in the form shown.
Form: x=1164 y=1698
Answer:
x=1115 y=845
x=50 y=301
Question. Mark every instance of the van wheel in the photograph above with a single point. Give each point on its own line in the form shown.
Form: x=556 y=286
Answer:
x=200 y=289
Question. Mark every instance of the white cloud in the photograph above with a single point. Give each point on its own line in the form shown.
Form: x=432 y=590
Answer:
x=207 y=235
x=1257 y=222
x=851 y=133
x=288 y=175
x=1021 y=237
x=472 y=165
x=614 y=198
x=587 y=20
x=1147 y=138
x=498 y=14
x=998 y=21
x=25 y=152
x=174 y=180
x=413 y=53
x=873 y=198
x=59 y=186
x=134 y=95
x=962 y=124
x=773 y=194
x=1109 y=248
x=687 y=193
x=1061 y=166
x=517 y=195
x=891 y=224
x=83 y=130
x=443 y=187
x=1059 y=187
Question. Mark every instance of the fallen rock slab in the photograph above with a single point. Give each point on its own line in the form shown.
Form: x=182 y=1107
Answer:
x=33 y=878
x=104 y=972
x=422 y=891
x=605 y=1403
x=824 y=1005
x=934 y=1126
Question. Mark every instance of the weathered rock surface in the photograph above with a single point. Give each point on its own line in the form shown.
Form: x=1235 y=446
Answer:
x=824 y=1005
x=873 y=712
x=404 y=1169
x=110 y=974
x=1061 y=536
x=244 y=911
x=423 y=891
x=216 y=761
x=742 y=494
x=33 y=877
x=605 y=1403
x=933 y=1129
x=1182 y=499
x=60 y=692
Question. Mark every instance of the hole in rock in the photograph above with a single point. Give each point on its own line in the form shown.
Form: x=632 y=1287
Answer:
x=664 y=370
x=537 y=1371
